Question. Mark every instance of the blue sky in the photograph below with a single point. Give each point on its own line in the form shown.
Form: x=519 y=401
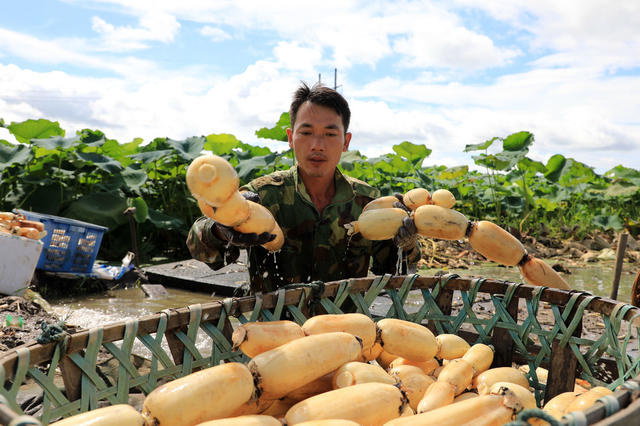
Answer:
x=440 y=73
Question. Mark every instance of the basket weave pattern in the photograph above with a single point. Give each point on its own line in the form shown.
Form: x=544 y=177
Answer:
x=171 y=336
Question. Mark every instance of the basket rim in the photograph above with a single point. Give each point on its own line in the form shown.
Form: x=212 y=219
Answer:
x=235 y=306
x=65 y=220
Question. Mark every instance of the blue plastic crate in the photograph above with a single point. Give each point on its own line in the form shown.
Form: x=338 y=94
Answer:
x=69 y=246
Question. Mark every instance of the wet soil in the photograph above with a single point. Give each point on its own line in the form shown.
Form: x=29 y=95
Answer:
x=23 y=319
x=562 y=253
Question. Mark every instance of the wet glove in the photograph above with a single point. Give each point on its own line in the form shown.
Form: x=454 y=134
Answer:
x=407 y=234
x=240 y=239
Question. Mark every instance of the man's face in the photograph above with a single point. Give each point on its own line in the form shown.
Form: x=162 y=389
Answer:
x=318 y=140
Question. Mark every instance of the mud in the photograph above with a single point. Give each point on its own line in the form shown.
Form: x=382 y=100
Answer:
x=31 y=310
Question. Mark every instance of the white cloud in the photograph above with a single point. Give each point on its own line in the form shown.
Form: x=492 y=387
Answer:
x=594 y=33
x=153 y=26
x=566 y=95
x=460 y=48
x=215 y=34
x=58 y=52
x=295 y=58
x=163 y=105
x=352 y=32
x=432 y=37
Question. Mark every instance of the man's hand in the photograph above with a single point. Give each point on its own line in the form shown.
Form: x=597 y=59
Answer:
x=407 y=234
x=240 y=239
x=244 y=240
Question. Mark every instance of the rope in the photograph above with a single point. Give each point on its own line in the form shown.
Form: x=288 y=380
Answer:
x=317 y=290
x=53 y=333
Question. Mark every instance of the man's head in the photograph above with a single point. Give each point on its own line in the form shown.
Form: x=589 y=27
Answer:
x=318 y=134
x=320 y=95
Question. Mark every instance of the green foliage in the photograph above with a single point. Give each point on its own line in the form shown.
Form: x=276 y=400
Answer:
x=279 y=131
x=33 y=129
x=95 y=179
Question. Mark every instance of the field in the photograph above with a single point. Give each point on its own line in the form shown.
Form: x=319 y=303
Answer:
x=90 y=177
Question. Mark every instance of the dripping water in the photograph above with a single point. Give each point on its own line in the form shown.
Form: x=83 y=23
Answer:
x=345 y=254
x=399 y=261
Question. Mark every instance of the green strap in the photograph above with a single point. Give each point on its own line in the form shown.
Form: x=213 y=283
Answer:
x=611 y=404
x=575 y=418
x=344 y=289
x=330 y=307
x=317 y=291
x=398 y=297
x=277 y=312
x=533 y=413
x=61 y=348
x=221 y=348
x=24 y=357
x=51 y=391
x=466 y=313
x=296 y=311
x=361 y=304
x=191 y=353
x=91 y=381
x=257 y=307
x=376 y=288
x=127 y=370
x=633 y=366
x=158 y=354
x=631 y=385
x=567 y=331
x=25 y=421
x=431 y=309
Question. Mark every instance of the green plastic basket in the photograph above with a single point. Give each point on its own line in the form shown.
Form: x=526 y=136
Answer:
x=478 y=309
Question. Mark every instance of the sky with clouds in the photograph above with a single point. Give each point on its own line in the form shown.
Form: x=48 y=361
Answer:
x=440 y=73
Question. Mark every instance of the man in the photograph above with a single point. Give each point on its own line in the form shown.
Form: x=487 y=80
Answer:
x=311 y=202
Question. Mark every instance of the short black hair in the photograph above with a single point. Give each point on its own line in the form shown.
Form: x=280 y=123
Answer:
x=320 y=95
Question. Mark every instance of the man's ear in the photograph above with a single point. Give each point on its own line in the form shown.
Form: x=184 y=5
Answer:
x=347 y=139
x=290 y=137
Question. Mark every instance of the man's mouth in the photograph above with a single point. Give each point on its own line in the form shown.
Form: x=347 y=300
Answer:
x=317 y=160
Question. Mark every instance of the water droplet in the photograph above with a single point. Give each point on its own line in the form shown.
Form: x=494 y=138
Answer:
x=399 y=262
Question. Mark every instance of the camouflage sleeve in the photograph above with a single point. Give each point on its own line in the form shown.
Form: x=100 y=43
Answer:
x=385 y=258
x=206 y=247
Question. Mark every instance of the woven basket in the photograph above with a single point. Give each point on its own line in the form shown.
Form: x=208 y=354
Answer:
x=505 y=315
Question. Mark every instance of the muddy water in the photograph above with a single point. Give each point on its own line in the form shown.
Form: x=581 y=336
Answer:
x=127 y=304
x=596 y=278
x=121 y=305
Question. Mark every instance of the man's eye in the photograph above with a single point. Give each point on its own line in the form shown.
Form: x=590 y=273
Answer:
x=331 y=134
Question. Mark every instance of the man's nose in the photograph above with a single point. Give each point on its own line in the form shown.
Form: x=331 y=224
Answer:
x=317 y=143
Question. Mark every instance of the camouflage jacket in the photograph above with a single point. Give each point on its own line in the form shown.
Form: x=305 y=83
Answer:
x=316 y=246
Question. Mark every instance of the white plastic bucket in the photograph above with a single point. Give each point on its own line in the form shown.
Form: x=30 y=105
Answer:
x=18 y=259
